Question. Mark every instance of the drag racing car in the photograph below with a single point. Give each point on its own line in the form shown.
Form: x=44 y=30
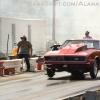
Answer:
x=76 y=57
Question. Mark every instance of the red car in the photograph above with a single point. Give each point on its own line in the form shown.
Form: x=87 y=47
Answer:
x=74 y=56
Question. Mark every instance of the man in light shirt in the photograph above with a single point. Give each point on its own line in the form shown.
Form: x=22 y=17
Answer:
x=87 y=35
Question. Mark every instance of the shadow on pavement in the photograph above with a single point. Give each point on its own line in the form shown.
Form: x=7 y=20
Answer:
x=69 y=78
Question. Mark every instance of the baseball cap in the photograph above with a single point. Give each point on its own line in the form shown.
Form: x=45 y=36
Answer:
x=23 y=37
x=87 y=32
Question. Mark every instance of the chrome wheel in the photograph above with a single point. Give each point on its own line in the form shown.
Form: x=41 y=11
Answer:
x=94 y=69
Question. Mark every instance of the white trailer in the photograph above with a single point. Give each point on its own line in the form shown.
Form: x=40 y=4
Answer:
x=34 y=29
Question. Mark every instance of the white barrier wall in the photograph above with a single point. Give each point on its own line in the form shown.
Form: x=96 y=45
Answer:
x=33 y=65
x=16 y=63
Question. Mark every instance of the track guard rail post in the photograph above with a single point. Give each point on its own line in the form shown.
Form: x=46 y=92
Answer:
x=74 y=98
x=91 y=95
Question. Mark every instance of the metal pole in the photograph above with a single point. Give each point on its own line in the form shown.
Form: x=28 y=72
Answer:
x=7 y=45
x=53 y=23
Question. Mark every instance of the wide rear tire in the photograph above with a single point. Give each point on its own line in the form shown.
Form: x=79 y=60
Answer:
x=94 y=70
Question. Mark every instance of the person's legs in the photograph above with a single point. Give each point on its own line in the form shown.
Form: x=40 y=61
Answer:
x=26 y=56
x=20 y=56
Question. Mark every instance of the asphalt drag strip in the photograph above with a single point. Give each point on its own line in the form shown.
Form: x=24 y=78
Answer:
x=37 y=86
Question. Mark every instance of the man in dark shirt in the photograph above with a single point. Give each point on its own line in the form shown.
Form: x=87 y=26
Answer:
x=25 y=50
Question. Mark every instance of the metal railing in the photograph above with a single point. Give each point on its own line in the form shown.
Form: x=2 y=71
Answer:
x=87 y=95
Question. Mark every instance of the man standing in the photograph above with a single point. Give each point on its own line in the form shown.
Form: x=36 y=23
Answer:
x=25 y=50
x=87 y=35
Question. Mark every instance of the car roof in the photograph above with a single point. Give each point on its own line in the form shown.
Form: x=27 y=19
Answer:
x=85 y=39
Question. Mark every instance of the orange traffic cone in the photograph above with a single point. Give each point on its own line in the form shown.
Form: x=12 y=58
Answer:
x=39 y=67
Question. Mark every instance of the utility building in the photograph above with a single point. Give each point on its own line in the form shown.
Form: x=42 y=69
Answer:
x=34 y=29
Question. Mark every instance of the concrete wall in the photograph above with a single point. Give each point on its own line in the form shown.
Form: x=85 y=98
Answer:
x=38 y=34
x=0 y=36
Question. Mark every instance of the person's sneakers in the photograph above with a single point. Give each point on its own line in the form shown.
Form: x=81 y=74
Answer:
x=21 y=69
x=28 y=70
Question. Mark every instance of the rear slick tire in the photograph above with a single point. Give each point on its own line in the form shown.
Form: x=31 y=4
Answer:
x=94 y=70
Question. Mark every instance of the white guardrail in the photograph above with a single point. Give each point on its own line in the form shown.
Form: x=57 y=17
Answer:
x=33 y=64
x=14 y=65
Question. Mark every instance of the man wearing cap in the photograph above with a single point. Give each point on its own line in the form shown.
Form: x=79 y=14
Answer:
x=25 y=50
x=87 y=35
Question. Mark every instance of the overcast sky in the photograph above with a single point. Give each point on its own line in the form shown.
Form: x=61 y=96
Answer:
x=68 y=8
